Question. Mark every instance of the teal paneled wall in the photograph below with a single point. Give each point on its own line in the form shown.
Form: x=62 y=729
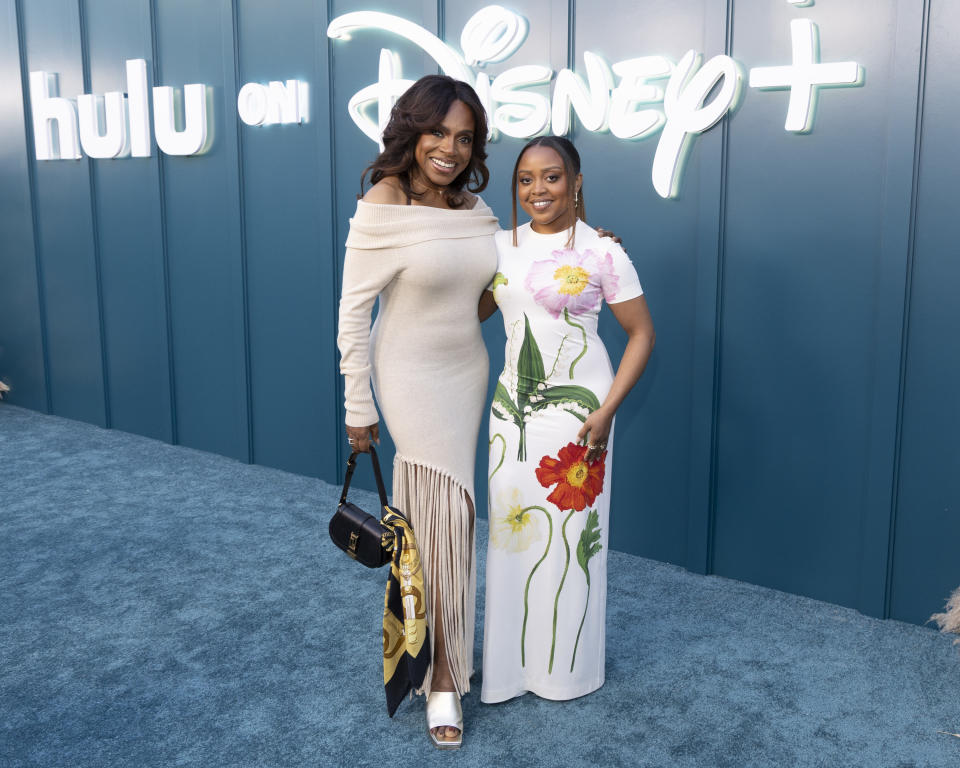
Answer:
x=290 y=245
x=22 y=308
x=129 y=222
x=806 y=295
x=203 y=220
x=66 y=248
x=795 y=425
x=924 y=557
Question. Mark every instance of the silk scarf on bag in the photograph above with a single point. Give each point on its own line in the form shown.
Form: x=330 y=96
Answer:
x=406 y=637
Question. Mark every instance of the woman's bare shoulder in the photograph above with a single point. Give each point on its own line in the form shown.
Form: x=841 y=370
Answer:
x=387 y=191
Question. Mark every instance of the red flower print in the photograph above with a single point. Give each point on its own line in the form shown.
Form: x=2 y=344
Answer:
x=578 y=482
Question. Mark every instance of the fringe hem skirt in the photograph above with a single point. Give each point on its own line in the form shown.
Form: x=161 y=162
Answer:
x=439 y=509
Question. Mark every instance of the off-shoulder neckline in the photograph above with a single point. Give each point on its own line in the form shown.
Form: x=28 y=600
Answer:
x=477 y=202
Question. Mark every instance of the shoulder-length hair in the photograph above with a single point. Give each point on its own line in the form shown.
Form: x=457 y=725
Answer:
x=421 y=108
x=571 y=166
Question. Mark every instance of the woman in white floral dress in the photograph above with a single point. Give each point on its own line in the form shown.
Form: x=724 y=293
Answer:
x=551 y=429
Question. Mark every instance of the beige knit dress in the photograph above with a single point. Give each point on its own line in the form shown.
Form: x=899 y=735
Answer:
x=428 y=365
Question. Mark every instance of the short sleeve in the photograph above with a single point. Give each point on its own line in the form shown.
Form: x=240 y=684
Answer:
x=618 y=278
x=501 y=239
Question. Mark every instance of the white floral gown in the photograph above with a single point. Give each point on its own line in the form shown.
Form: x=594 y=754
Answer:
x=549 y=509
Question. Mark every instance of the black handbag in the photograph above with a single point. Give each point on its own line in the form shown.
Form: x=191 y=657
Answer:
x=358 y=533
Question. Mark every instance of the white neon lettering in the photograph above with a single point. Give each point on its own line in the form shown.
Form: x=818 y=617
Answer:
x=47 y=108
x=303 y=101
x=591 y=104
x=192 y=138
x=625 y=122
x=110 y=111
x=482 y=87
x=805 y=76
x=492 y=34
x=687 y=114
x=516 y=101
x=384 y=93
x=448 y=59
x=252 y=103
x=138 y=108
x=273 y=103
x=522 y=113
x=283 y=102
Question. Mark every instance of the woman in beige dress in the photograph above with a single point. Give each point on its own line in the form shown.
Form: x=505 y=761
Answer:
x=422 y=242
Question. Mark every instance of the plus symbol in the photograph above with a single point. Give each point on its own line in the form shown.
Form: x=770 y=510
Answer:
x=805 y=75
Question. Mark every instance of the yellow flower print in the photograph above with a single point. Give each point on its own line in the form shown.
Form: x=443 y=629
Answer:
x=571 y=280
x=513 y=528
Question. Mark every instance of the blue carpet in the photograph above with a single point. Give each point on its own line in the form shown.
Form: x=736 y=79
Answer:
x=160 y=606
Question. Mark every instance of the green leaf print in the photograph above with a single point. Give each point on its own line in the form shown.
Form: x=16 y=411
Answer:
x=563 y=578
x=566 y=316
x=526 y=589
x=533 y=394
x=579 y=415
x=502 y=454
x=530 y=368
x=587 y=547
x=569 y=393
x=501 y=400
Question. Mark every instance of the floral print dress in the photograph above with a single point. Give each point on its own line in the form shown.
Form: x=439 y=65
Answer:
x=549 y=509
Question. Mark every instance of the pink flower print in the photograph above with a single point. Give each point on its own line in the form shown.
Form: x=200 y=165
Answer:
x=572 y=281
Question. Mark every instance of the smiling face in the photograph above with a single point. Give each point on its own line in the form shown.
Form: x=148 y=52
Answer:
x=444 y=152
x=543 y=189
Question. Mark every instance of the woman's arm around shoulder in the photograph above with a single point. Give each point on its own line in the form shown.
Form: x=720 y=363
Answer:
x=488 y=305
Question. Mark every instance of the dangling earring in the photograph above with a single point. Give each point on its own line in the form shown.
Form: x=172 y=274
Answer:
x=576 y=198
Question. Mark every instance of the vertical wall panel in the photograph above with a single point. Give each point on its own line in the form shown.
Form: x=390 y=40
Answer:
x=893 y=267
x=803 y=264
x=653 y=432
x=926 y=566
x=290 y=255
x=195 y=45
x=707 y=307
x=65 y=232
x=21 y=329
x=129 y=229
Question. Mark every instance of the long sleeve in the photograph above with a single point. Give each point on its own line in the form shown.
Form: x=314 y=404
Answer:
x=365 y=274
x=379 y=246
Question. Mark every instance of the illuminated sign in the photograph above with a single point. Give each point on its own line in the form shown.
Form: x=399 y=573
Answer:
x=804 y=75
x=636 y=107
x=632 y=99
x=118 y=125
x=274 y=103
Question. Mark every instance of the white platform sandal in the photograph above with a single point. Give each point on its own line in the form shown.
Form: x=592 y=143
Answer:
x=443 y=709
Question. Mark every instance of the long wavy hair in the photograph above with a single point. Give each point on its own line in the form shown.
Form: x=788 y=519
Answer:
x=571 y=166
x=421 y=108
